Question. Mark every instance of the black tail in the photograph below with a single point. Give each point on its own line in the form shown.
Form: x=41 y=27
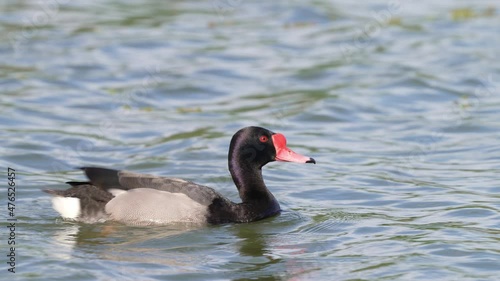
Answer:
x=102 y=177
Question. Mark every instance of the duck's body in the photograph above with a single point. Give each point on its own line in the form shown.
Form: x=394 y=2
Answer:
x=146 y=199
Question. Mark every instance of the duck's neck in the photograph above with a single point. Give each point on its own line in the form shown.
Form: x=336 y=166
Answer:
x=248 y=180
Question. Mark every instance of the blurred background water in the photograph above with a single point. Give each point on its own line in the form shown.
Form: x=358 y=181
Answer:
x=398 y=101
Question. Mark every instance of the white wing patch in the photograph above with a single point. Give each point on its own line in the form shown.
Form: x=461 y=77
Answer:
x=68 y=207
x=152 y=206
x=116 y=191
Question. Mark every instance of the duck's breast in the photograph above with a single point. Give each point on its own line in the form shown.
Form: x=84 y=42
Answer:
x=152 y=206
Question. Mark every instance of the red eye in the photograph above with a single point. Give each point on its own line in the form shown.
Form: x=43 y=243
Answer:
x=263 y=138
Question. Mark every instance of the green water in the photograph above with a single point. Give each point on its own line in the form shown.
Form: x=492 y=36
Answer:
x=398 y=102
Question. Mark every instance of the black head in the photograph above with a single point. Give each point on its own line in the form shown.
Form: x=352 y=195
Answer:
x=250 y=149
x=256 y=146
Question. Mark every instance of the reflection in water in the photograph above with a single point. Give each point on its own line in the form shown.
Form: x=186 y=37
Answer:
x=272 y=252
x=113 y=241
x=64 y=241
x=254 y=244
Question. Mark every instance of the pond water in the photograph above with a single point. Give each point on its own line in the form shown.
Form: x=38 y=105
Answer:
x=398 y=102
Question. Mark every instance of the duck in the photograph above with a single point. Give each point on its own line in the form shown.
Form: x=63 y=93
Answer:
x=143 y=199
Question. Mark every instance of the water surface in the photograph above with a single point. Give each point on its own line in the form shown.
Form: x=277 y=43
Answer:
x=398 y=102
